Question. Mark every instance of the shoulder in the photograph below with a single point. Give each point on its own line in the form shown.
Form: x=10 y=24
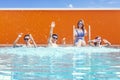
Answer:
x=75 y=29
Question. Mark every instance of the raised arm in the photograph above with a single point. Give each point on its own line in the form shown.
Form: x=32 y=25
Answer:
x=107 y=43
x=18 y=37
x=51 y=31
x=35 y=45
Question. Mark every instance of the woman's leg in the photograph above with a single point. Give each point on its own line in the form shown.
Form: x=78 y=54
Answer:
x=79 y=43
x=83 y=43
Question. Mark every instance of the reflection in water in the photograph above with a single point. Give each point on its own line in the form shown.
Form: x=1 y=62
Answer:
x=96 y=66
x=63 y=65
x=24 y=67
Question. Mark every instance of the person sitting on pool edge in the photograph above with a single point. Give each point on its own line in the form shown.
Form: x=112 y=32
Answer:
x=97 y=42
x=27 y=39
x=52 y=41
x=79 y=34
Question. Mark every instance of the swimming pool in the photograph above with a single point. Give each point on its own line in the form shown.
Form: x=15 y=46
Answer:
x=62 y=63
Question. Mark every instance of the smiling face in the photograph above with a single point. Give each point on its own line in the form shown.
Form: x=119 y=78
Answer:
x=27 y=39
x=80 y=24
x=54 y=38
x=97 y=41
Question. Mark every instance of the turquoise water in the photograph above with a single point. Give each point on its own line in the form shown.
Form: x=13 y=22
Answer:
x=62 y=63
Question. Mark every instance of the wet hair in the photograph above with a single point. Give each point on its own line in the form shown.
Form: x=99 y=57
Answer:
x=97 y=37
x=95 y=43
x=81 y=22
x=54 y=36
x=26 y=37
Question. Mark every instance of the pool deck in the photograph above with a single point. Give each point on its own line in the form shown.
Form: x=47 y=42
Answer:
x=44 y=45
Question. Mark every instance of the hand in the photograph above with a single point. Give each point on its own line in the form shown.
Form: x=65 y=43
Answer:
x=73 y=26
x=20 y=35
x=53 y=24
x=64 y=38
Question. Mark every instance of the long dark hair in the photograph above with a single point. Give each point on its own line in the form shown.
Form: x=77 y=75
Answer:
x=82 y=22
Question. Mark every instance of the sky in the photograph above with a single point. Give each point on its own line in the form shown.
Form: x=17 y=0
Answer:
x=59 y=3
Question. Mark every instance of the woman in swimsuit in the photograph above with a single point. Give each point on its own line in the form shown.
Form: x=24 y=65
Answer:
x=79 y=34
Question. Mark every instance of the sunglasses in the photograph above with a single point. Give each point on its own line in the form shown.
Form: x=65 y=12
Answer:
x=26 y=39
x=80 y=24
x=55 y=38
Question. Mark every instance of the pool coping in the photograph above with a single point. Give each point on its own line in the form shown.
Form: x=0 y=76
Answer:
x=45 y=45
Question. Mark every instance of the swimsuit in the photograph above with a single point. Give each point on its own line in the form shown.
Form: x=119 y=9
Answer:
x=80 y=35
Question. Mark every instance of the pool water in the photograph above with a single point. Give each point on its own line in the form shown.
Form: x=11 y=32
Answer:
x=62 y=63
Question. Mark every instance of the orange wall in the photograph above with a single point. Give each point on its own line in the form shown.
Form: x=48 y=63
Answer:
x=105 y=23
